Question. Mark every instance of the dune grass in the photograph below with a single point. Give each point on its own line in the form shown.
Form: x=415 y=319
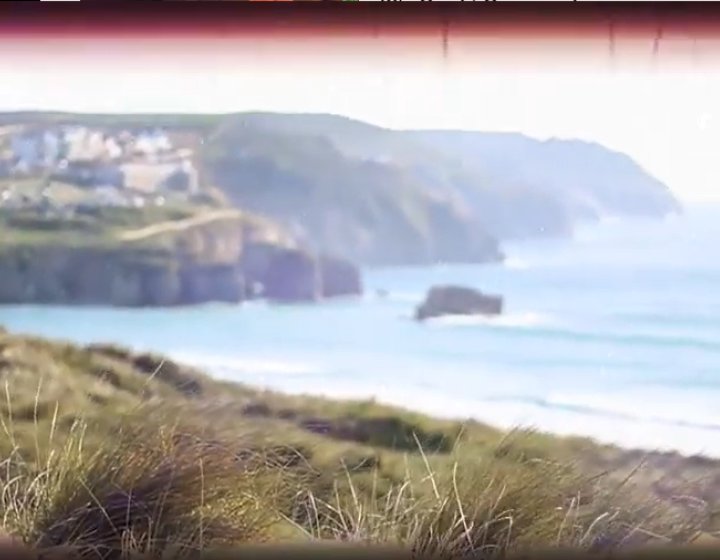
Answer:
x=109 y=452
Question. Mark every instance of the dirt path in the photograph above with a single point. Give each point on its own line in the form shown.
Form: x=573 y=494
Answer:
x=178 y=225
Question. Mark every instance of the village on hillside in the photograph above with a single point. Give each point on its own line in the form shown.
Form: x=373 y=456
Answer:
x=60 y=169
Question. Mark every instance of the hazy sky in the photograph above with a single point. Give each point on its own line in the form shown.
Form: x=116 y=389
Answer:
x=669 y=123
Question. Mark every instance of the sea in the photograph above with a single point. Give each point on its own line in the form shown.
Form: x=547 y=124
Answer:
x=614 y=334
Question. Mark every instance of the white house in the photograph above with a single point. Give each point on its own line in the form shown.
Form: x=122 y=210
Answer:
x=112 y=148
x=85 y=144
x=74 y=137
x=152 y=143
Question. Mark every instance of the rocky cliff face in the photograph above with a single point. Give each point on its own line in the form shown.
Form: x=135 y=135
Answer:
x=292 y=276
x=388 y=197
x=555 y=183
x=339 y=277
x=222 y=283
x=351 y=204
x=288 y=274
x=62 y=275
x=205 y=264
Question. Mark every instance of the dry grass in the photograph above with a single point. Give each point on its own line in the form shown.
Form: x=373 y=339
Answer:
x=160 y=488
x=148 y=490
x=154 y=468
x=487 y=509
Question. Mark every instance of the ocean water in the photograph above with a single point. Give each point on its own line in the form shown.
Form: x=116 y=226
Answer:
x=614 y=335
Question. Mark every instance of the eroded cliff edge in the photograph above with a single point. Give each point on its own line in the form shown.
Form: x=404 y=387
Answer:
x=229 y=256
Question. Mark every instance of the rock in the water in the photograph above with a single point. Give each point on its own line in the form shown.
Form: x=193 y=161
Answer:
x=458 y=300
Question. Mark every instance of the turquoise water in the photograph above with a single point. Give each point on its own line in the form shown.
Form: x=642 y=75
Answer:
x=615 y=335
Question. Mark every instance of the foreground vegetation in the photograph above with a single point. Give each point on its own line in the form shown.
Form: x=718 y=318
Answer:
x=108 y=451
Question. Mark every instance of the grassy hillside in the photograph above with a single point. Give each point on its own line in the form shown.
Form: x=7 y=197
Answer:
x=102 y=225
x=110 y=450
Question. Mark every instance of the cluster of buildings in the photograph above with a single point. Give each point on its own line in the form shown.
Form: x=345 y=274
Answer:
x=115 y=167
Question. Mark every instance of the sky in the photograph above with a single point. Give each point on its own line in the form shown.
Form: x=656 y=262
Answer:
x=667 y=120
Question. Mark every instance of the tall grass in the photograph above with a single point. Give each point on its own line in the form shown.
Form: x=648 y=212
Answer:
x=490 y=508
x=149 y=489
x=154 y=469
x=158 y=488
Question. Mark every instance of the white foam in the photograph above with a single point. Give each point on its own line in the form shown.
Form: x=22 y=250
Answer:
x=251 y=365
x=638 y=434
x=633 y=421
x=404 y=297
x=515 y=263
x=659 y=405
x=527 y=319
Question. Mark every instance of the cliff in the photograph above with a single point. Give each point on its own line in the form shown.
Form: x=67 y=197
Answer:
x=387 y=197
x=586 y=180
x=391 y=197
x=210 y=258
x=339 y=201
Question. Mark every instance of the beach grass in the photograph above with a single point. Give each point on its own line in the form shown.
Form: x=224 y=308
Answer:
x=110 y=451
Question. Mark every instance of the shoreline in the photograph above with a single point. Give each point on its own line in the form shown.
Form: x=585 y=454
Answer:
x=432 y=413
x=435 y=414
x=557 y=419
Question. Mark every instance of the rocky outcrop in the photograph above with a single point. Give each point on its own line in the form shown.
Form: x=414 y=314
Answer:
x=457 y=300
x=136 y=276
x=122 y=277
x=339 y=277
x=222 y=283
x=294 y=275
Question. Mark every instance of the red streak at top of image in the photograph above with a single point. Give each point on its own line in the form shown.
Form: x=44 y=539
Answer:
x=257 y=17
x=477 y=36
